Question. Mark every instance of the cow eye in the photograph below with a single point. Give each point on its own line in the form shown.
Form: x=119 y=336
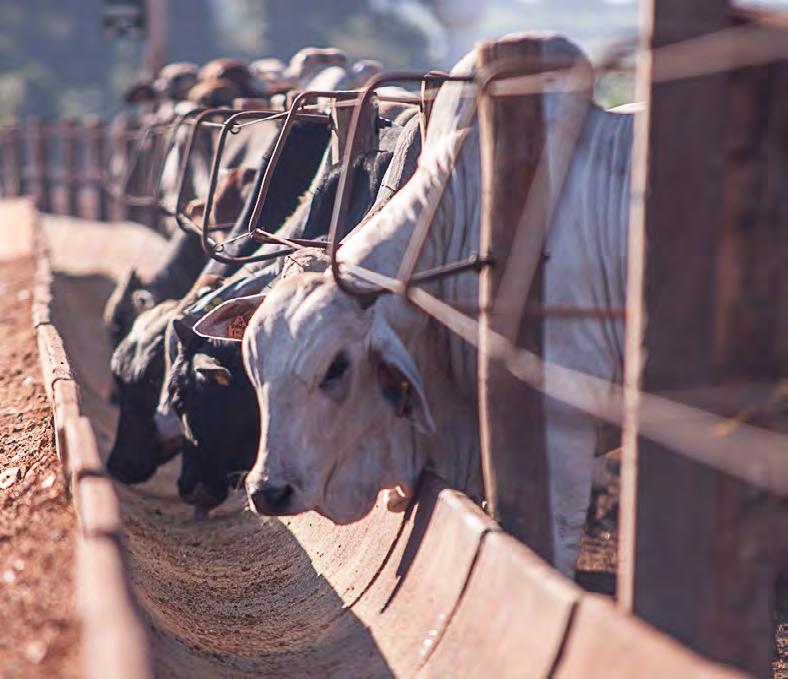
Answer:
x=336 y=370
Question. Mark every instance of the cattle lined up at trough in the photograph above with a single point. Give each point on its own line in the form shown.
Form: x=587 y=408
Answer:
x=314 y=353
x=400 y=367
x=311 y=341
x=304 y=184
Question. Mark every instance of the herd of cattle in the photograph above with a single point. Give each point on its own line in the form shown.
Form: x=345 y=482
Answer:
x=269 y=375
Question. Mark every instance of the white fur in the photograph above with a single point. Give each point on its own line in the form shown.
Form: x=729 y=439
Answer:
x=338 y=455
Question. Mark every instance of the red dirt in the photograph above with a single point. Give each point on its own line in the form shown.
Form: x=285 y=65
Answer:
x=596 y=567
x=39 y=633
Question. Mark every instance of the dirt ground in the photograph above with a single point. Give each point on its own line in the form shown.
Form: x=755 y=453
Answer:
x=598 y=560
x=39 y=632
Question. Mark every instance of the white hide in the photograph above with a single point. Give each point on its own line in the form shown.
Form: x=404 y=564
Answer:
x=586 y=267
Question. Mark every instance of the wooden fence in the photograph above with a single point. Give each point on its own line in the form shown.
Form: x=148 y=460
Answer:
x=70 y=167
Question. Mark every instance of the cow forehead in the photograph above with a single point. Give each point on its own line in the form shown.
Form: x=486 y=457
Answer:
x=300 y=327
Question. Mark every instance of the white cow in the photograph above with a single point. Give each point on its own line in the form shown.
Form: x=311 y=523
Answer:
x=354 y=400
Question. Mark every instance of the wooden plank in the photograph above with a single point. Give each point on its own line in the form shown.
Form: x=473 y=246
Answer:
x=94 y=157
x=510 y=412
x=13 y=184
x=699 y=551
x=68 y=166
x=39 y=163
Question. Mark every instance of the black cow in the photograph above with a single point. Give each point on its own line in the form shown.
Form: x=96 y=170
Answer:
x=138 y=365
x=207 y=388
x=208 y=380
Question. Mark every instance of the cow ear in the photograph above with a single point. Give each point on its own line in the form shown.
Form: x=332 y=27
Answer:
x=186 y=335
x=398 y=377
x=228 y=321
x=211 y=370
x=121 y=296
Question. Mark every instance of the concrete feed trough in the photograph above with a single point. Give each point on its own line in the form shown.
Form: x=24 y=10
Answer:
x=438 y=591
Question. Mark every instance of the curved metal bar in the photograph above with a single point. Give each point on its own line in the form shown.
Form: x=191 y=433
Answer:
x=294 y=112
x=229 y=127
x=406 y=277
x=214 y=250
x=183 y=221
x=172 y=140
x=343 y=194
x=119 y=190
x=260 y=235
x=150 y=133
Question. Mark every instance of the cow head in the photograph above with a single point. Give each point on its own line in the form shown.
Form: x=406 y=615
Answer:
x=137 y=369
x=208 y=404
x=341 y=399
x=127 y=301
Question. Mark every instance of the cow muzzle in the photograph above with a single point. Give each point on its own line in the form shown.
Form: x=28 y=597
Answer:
x=269 y=498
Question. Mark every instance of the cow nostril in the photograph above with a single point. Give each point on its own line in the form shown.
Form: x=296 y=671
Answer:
x=272 y=499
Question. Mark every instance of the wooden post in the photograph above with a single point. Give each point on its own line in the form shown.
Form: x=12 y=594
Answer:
x=366 y=135
x=119 y=132
x=39 y=165
x=155 y=54
x=94 y=157
x=699 y=551
x=68 y=167
x=13 y=183
x=136 y=213
x=511 y=412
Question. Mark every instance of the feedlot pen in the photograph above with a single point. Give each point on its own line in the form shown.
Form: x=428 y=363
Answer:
x=240 y=595
x=443 y=589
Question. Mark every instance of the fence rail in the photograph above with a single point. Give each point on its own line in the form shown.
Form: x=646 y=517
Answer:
x=62 y=164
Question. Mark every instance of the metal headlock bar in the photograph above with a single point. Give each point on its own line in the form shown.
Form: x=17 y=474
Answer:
x=172 y=140
x=231 y=126
x=147 y=143
x=336 y=232
x=407 y=276
x=295 y=112
x=118 y=188
x=184 y=222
